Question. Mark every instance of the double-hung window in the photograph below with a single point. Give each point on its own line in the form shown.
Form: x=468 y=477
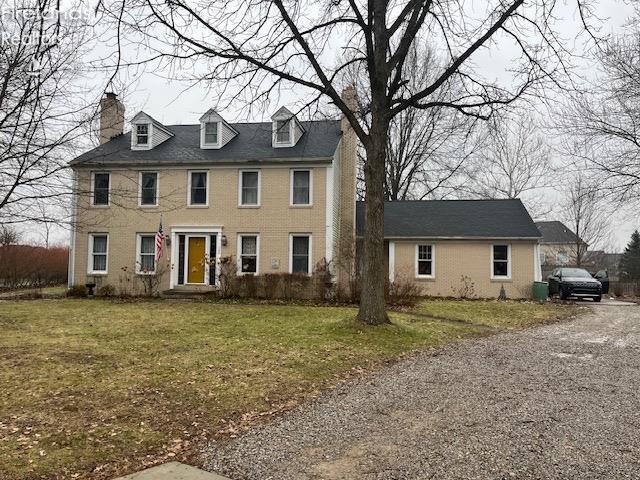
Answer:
x=249 y=188
x=142 y=134
x=301 y=187
x=101 y=184
x=211 y=133
x=424 y=261
x=148 y=188
x=300 y=248
x=248 y=245
x=198 y=183
x=501 y=261
x=283 y=131
x=98 y=251
x=146 y=253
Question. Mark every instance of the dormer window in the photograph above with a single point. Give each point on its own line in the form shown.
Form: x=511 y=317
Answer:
x=142 y=134
x=215 y=133
x=283 y=131
x=287 y=130
x=147 y=133
x=211 y=133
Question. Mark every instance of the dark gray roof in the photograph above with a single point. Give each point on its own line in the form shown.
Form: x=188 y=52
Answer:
x=556 y=232
x=251 y=145
x=453 y=219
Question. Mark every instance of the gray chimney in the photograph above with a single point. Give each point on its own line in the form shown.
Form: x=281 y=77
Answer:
x=111 y=117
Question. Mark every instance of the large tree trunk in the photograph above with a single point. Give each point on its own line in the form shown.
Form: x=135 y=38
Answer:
x=373 y=276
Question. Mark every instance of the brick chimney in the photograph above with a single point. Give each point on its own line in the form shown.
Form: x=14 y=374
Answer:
x=111 y=117
x=346 y=189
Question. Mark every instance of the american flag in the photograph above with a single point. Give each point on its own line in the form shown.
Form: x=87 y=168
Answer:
x=159 y=242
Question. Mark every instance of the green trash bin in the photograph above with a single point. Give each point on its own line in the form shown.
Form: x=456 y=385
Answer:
x=540 y=290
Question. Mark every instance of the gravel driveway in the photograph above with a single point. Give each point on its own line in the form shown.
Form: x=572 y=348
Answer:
x=560 y=401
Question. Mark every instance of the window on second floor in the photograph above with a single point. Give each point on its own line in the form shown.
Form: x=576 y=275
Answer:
x=211 y=133
x=249 y=188
x=198 y=183
x=101 y=184
x=148 y=188
x=142 y=134
x=301 y=187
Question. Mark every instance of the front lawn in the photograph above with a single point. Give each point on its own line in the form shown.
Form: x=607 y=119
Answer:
x=96 y=388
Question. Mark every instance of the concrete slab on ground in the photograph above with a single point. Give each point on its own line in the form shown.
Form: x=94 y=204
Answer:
x=615 y=303
x=173 y=471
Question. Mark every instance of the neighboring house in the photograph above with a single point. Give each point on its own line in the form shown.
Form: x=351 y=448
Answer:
x=461 y=248
x=276 y=197
x=558 y=245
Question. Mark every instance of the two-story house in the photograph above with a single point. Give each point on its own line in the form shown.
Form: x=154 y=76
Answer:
x=275 y=197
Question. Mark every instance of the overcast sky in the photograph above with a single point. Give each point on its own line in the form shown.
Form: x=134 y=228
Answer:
x=172 y=102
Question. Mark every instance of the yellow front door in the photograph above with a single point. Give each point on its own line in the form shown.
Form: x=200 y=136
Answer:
x=195 y=264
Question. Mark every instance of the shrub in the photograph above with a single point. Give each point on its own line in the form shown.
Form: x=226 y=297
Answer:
x=402 y=292
x=270 y=284
x=248 y=286
x=77 y=291
x=106 y=290
x=295 y=286
x=322 y=279
x=228 y=277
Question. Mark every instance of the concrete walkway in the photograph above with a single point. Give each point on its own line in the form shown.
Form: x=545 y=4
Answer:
x=554 y=402
x=173 y=471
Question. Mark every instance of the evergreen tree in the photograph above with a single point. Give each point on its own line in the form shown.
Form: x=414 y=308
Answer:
x=630 y=261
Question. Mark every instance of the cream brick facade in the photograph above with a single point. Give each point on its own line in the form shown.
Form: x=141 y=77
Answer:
x=274 y=220
x=456 y=259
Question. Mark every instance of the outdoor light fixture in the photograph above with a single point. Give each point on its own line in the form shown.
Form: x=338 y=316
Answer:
x=224 y=240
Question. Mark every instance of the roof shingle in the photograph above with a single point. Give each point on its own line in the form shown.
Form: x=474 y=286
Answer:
x=556 y=232
x=454 y=219
x=251 y=145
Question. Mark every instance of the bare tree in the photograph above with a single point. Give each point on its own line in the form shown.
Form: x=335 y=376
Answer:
x=514 y=162
x=584 y=213
x=255 y=49
x=604 y=121
x=426 y=148
x=41 y=110
x=8 y=235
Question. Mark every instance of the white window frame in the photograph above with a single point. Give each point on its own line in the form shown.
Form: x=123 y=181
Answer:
x=93 y=186
x=90 y=270
x=197 y=205
x=291 y=175
x=501 y=277
x=142 y=146
x=203 y=135
x=240 y=175
x=289 y=142
x=433 y=260
x=239 y=253
x=310 y=260
x=148 y=205
x=139 y=253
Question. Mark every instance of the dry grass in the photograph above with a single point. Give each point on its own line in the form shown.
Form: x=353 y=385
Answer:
x=95 y=388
